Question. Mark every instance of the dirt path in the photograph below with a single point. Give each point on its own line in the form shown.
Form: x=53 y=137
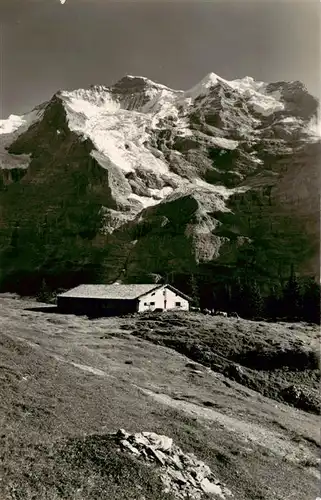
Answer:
x=91 y=376
x=274 y=441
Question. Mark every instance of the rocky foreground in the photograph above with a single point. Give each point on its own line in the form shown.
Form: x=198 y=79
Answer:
x=69 y=384
x=182 y=474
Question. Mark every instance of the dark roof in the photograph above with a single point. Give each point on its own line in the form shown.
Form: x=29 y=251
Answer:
x=179 y=292
x=115 y=291
x=126 y=292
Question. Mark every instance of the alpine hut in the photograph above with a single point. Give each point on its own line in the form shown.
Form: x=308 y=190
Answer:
x=117 y=299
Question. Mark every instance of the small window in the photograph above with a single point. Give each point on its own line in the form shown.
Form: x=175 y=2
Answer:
x=153 y=294
x=145 y=304
x=152 y=303
x=164 y=292
x=177 y=304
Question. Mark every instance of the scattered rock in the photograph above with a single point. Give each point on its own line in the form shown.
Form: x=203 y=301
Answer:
x=122 y=434
x=130 y=447
x=209 y=487
x=159 y=455
x=177 y=476
x=182 y=474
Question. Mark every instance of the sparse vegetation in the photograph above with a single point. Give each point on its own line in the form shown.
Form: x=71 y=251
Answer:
x=261 y=356
x=87 y=468
x=66 y=383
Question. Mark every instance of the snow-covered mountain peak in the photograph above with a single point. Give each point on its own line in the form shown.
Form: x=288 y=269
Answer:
x=204 y=85
x=248 y=85
x=20 y=122
x=141 y=158
x=89 y=102
x=241 y=85
x=98 y=88
x=132 y=80
x=124 y=119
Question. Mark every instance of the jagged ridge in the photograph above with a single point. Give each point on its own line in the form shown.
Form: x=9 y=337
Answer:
x=137 y=151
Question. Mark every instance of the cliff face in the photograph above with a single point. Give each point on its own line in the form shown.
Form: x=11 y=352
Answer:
x=137 y=179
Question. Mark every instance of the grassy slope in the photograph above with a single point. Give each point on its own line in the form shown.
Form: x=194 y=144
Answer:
x=266 y=357
x=66 y=380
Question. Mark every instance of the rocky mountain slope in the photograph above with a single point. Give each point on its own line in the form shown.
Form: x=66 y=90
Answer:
x=137 y=179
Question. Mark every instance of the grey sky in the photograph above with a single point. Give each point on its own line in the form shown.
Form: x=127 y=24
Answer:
x=46 y=46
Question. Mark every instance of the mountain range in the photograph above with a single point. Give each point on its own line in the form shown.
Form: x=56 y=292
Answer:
x=138 y=182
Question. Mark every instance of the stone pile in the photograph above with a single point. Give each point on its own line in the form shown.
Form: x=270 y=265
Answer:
x=182 y=474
